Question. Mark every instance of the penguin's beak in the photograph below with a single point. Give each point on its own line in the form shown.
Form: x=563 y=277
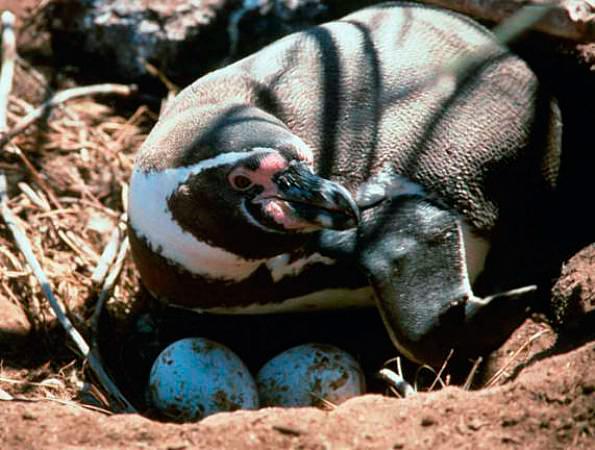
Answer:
x=314 y=201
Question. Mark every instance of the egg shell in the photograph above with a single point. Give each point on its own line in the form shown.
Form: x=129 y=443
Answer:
x=196 y=377
x=307 y=375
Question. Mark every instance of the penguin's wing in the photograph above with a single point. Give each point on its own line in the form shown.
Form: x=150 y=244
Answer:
x=413 y=252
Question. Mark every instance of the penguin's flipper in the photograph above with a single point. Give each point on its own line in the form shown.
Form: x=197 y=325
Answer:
x=413 y=253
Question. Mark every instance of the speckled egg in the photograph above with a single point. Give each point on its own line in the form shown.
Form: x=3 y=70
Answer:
x=196 y=377
x=309 y=374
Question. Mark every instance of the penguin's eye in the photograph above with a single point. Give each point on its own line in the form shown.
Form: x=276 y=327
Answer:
x=240 y=182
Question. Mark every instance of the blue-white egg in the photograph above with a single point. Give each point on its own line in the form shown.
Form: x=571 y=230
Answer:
x=309 y=375
x=196 y=377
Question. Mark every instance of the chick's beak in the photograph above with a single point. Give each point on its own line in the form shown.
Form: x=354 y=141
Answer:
x=313 y=201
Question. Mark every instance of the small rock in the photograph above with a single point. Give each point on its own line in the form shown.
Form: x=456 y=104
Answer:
x=573 y=299
x=260 y=22
x=14 y=325
x=29 y=416
x=474 y=425
x=428 y=421
x=182 y=38
x=509 y=422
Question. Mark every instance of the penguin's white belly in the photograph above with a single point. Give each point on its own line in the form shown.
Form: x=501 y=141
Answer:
x=327 y=299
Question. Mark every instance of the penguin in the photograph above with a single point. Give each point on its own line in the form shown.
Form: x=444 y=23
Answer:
x=343 y=166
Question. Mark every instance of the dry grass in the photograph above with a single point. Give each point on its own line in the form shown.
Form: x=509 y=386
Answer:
x=67 y=174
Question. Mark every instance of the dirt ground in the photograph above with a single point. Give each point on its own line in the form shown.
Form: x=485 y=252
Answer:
x=550 y=405
x=67 y=178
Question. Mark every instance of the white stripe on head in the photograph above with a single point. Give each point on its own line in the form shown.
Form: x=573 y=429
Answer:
x=152 y=219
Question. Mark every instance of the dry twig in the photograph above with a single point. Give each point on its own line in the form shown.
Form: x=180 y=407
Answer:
x=108 y=285
x=568 y=19
x=323 y=403
x=505 y=33
x=8 y=62
x=24 y=245
x=35 y=198
x=397 y=381
x=62 y=97
x=439 y=374
x=107 y=257
x=500 y=373
x=35 y=174
x=471 y=376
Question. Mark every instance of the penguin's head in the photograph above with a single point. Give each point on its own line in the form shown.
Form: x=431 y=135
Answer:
x=231 y=180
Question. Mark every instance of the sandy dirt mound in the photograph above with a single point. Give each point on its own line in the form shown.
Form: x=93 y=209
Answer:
x=550 y=405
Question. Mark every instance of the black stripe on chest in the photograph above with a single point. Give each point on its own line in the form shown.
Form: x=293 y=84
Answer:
x=172 y=283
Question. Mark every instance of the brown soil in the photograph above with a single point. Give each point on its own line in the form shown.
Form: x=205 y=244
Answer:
x=536 y=391
x=550 y=405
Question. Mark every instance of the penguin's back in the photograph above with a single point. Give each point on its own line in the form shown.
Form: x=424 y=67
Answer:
x=370 y=94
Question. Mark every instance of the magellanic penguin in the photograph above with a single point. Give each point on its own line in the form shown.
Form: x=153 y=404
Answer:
x=343 y=166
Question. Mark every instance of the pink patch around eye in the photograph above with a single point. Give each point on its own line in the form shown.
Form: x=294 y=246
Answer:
x=272 y=163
